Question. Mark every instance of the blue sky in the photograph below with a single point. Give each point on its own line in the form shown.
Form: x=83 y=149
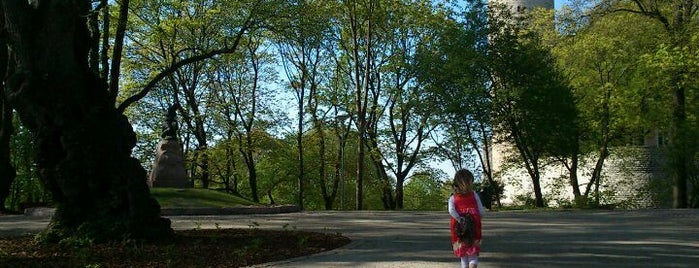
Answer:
x=558 y=3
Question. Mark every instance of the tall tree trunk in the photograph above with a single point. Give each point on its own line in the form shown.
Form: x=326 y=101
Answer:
x=361 y=75
x=531 y=164
x=249 y=122
x=597 y=171
x=389 y=202
x=202 y=150
x=574 y=183
x=322 y=173
x=250 y=163
x=231 y=171
x=81 y=142
x=485 y=158
x=604 y=145
x=7 y=171
x=399 y=193
x=359 y=193
x=203 y=159
x=300 y=88
x=679 y=144
x=537 y=191
x=573 y=167
x=341 y=173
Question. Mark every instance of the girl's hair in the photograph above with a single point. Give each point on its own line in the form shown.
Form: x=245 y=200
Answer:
x=463 y=181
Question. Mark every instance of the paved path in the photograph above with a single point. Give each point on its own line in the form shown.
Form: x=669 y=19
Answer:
x=639 y=238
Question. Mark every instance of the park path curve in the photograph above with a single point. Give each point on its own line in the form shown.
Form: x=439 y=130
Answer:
x=617 y=238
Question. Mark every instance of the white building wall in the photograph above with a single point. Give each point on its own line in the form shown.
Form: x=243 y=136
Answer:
x=627 y=180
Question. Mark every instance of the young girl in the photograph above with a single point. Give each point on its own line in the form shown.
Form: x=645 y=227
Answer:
x=465 y=200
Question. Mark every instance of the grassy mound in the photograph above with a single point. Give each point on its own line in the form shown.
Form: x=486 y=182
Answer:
x=193 y=198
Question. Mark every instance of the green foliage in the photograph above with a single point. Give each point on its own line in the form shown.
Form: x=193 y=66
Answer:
x=424 y=191
x=664 y=76
x=527 y=201
x=610 y=105
x=76 y=242
x=98 y=229
x=302 y=240
x=26 y=188
x=535 y=108
x=581 y=202
x=557 y=191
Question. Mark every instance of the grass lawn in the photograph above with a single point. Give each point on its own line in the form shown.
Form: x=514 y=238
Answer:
x=192 y=198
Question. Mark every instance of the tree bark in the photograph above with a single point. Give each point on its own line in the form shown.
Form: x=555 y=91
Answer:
x=82 y=144
x=7 y=171
x=573 y=169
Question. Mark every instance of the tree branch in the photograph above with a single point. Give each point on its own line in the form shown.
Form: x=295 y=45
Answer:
x=174 y=67
x=651 y=12
x=170 y=70
x=118 y=48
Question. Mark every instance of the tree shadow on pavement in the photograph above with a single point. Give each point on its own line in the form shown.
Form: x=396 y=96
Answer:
x=646 y=238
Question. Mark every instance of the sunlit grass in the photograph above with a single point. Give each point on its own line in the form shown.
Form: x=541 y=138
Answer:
x=188 y=198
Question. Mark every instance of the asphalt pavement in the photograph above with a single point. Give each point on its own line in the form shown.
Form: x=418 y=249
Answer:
x=616 y=238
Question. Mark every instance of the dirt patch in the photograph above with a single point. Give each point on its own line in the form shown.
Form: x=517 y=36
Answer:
x=191 y=248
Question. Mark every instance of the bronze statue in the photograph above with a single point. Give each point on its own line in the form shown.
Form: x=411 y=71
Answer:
x=170 y=126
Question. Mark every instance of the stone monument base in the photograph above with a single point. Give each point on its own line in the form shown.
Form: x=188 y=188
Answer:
x=168 y=168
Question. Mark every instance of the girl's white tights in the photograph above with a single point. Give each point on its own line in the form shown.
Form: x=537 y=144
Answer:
x=469 y=262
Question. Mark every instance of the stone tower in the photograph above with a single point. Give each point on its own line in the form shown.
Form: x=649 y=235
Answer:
x=500 y=152
x=519 y=6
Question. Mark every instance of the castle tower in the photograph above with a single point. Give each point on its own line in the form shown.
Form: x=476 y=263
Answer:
x=519 y=6
x=499 y=152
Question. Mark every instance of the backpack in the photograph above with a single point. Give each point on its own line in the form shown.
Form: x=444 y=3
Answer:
x=465 y=229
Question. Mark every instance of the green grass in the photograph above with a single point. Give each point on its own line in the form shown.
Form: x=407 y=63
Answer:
x=192 y=198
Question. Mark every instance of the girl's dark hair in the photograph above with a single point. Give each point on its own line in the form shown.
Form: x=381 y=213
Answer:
x=463 y=181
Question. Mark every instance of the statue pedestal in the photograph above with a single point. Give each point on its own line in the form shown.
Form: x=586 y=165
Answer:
x=168 y=168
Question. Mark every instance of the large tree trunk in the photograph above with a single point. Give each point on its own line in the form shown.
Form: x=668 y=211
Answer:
x=82 y=144
x=573 y=168
x=7 y=171
x=681 y=152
